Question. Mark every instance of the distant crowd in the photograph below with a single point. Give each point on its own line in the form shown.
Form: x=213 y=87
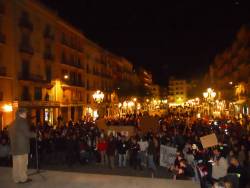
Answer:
x=124 y=120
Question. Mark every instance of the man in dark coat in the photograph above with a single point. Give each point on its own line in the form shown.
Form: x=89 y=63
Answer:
x=111 y=148
x=20 y=145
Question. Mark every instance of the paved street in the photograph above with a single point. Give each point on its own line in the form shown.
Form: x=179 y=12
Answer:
x=100 y=169
x=58 y=179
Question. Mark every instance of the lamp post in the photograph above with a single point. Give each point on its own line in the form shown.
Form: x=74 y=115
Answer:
x=98 y=97
x=209 y=96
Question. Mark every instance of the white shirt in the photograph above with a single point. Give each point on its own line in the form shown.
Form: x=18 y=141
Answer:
x=219 y=169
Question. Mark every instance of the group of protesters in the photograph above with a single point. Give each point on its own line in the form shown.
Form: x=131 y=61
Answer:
x=82 y=142
x=131 y=119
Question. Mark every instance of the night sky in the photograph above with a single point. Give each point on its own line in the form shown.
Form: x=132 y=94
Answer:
x=169 y=38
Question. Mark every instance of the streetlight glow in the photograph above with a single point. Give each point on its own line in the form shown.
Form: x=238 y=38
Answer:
x=98 y=96
x=7 y=108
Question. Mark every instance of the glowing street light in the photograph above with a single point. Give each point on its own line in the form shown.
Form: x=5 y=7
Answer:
x=210 y=94
x=66 y=76
x=98 y=96
x=7 y=108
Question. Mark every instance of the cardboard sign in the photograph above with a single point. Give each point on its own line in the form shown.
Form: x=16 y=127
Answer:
x=209 y=141
x=167 y=156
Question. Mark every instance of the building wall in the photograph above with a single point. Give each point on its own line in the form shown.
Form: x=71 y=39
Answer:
x=177 y=91
x=50 y=67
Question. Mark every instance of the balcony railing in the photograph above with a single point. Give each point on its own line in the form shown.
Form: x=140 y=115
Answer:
x=2 y=8
x=32 y=77
x=3 y=71
x=71 y=63
x=42 y=103
x=24 y=23
x=75 y=83
x=26 y=48
x=48 y=56
x=2 y=38
x=49 y=36
x=66 y=42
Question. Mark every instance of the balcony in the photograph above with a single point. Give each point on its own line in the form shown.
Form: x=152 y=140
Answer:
x=71 y=63
x=2 y=8
x=29 y=103
x=75 y=83
x=48 y=36
x=26 y=48
x=32 y=77
x=24 y=23
x=71 y=45
x=2 y=38
x=3 y=71
x=48 y=56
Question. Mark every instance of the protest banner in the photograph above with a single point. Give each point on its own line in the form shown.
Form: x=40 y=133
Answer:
x=209 y=141
x=167 y=156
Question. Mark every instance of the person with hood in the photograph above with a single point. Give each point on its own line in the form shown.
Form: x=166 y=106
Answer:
x=20 y=146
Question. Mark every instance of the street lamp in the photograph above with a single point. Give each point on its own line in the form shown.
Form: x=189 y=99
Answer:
x=66 y=77
x=209 y=96
x=98 y=96
x=7 y=108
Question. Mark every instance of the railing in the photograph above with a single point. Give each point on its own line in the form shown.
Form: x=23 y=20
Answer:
x=2 y=38
x=24 y=23
x=3 y=71
x=49 y=36
x=26 y=48
x=39 y=103
x=2 y=8
x=71 y=63
x=48 y=56
x=32 y=77
x=75 y=83
x=66 y=42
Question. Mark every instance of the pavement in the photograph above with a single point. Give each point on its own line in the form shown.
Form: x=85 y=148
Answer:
x=60 y=179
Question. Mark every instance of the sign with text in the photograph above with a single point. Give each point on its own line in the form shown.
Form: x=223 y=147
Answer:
x=209 y=141
x=167 y=156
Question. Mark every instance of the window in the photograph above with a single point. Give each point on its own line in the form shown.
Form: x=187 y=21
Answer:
x=48 y=73
x=38 y=93
x=25 y=94
x=88 y=99
x=25 y=69
x=1 y=96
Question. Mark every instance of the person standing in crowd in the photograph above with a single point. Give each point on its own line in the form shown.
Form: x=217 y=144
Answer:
x=102 y=147
x=236 y=168
x=20 y=146
x=122 y=150
x=143 y=143
x=4 y=152
x=111 y=149
x=219 y=166
x=151 y=156
x=134 y=157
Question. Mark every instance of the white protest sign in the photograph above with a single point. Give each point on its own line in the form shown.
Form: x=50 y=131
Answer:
x=167 y=156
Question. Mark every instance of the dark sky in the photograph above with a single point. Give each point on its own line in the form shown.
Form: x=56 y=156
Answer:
x=170 y=37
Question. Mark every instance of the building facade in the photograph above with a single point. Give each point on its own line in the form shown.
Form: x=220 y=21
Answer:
x=49 y=67
x=177 y=91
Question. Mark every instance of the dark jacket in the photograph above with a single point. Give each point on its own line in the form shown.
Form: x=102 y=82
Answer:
x=122 y=147
x=20 y=136
x=111 y=147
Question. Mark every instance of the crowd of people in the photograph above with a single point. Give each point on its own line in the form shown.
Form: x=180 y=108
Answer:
x=82 y=142
x=132 y=119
